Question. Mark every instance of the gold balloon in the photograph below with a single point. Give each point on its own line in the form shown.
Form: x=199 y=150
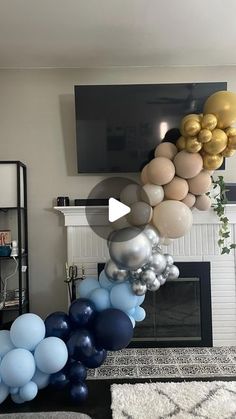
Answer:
x=192 y=116
x=232 y=143
x=231 y=131
x=193 y=145
x=212 y=161
x=181 y=143
x=209 y=121
x=223 y=105
x=204 y=135
x=218 y=142
x=192 y=127
x=228 y=152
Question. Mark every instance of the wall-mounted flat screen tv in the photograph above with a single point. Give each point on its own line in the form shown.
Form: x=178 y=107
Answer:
x=119 y=126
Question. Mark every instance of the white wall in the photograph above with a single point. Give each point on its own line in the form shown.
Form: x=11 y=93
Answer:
x=37 y=127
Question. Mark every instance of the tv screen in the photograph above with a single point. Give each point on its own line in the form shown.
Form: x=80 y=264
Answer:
x=119 y=126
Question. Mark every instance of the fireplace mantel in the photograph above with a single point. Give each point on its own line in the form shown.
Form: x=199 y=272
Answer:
x=76 y=216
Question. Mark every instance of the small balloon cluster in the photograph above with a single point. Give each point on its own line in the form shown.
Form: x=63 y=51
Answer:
x=137 y=258
x=74 y=342
x=28 y=358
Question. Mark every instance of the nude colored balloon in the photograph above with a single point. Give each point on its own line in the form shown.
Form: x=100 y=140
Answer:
x=144 y=176
x=167 y=150
x=160 y=171
x=189 y=200
x=152 y=194
x=130 y=194
x=188 y=165
x=200 y=184
x=203 y=203
x=141 y=213
x=173 y=219
x=223 y=105
x=176 y=189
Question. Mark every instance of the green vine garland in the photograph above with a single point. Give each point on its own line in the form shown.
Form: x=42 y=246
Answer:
x=219 y=208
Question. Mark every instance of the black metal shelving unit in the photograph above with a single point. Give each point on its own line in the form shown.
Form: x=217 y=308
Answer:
x=18 y=214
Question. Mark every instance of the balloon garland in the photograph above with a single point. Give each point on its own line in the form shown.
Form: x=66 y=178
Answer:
x=57 y=352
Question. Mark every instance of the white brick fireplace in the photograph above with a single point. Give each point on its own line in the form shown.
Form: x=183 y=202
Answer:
x=87 y=248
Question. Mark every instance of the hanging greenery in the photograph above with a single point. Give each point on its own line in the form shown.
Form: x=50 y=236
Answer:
x=219 y=208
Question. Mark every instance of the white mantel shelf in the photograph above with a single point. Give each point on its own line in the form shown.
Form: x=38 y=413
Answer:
x=76 y=215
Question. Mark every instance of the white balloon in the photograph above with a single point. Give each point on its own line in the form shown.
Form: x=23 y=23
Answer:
x=141 y=213
x=152 y=194
x=172 y=218
x=130 y=194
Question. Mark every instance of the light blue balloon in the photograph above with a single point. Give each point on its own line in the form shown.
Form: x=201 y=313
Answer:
x=17 y=367
x=17 y=399
x=27 y=331
x=130 y=312
x=101 y=298
x=41 y=379
x=28 y=391
x=132 y=321
x=6 y=344
x=14 y=390
x=4 y=391
x=51 y=355
x=87 y=286
x=139 y=314
x=122 y=297
x=141 y=299
x=105 y=282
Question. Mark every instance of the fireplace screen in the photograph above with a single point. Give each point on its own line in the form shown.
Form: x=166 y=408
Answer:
x=179 y=313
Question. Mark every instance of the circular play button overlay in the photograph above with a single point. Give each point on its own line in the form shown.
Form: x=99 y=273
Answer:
x=105 y=212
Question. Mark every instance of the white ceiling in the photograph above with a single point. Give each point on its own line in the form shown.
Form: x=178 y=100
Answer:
x=95 y=33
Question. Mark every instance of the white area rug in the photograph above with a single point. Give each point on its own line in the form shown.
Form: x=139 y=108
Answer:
x=185 y=400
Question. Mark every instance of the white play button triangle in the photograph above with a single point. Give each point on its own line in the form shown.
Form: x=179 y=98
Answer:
x=117 y=210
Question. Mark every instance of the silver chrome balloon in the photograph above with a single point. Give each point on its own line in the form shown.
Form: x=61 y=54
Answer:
x=148 y=277
x=157 y=262
x=130 y=248
x=173 y=272
x=154 y=286
x=134 y=275
x=152 y=234
x=169 y=259
x=139 y=288
x=114 y=273
x=162 y=279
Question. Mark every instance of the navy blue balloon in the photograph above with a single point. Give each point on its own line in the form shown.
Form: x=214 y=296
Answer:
x=77 y=372
x=60 y=380
x=81 y=347
x=79 y=393
x=113 y=329
x=58 y=324
x=82 y=312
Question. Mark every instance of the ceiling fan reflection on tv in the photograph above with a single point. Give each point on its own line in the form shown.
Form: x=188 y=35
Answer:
x=190 y=104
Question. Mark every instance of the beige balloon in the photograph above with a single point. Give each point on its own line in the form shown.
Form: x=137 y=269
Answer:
x=223 y=105
x=141 y=214
x=189 y=200
x=176 y=189
x=144 y=176
x=200 y=184
x=160 y=171
x=203 y=203
x=167 y=150
x=173 y=219
x=152 y=194
x=130 y=194
x=188 y=165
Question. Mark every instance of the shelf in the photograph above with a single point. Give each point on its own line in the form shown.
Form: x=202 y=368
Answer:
x=10 y=257
x=13 y=308
x=4 y=209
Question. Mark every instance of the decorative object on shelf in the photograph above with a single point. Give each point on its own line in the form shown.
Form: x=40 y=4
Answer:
x=63 y=201
x=220 y=200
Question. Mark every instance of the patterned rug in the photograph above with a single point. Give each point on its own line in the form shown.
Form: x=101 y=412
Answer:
x=186 y=400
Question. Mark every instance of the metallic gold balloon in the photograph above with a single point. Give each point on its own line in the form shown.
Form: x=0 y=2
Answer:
x=228 y=152
x=231 y=131
x=218 y=142
x=232 y=143
x=192 y=116
x=192 y=127
x=209 y=121
x=204 y=135
x=212 y=161
x=223 y=105
x=193 y=145
x=181 y=143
